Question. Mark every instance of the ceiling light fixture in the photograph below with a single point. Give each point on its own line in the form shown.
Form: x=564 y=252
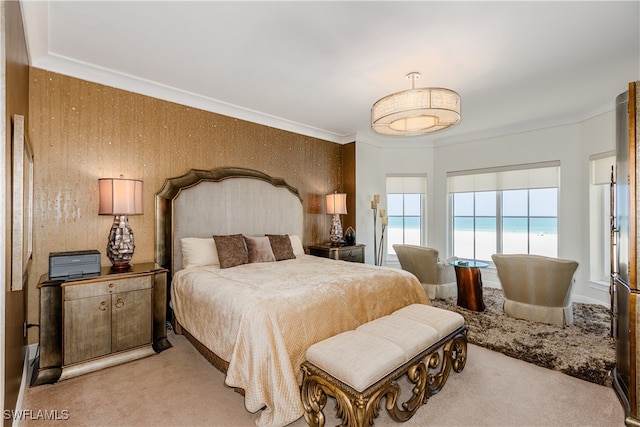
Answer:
x=416 y=111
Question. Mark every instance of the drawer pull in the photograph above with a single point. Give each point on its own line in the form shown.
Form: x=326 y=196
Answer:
x=119 y=303
x=111 y=286
x=103 y=306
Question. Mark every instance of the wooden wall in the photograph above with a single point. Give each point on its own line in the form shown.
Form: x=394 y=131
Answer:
x=82 y=131
x=349 y=184
x=15 y=96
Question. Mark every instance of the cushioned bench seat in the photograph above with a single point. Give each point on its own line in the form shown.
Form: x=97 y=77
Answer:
x=361 y=366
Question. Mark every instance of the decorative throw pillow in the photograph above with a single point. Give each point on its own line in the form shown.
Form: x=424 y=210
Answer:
x=232 y=250
x=198 y=251
x=281 y=246
x=259 y=249
x=296 y=245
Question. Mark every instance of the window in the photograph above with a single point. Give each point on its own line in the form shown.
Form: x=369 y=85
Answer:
x=474 y=224
x=406 y=198
x=599 y=215
x=505 y=210
x=530 y=221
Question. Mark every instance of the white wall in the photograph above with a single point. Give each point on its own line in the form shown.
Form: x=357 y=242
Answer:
x=597 y=136
x=570 y=144
x=413 y=161
x=370 y=180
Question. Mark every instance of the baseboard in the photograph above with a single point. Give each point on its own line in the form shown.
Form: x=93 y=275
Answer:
x=491 y=284
x=29 y=356
x=587 y=300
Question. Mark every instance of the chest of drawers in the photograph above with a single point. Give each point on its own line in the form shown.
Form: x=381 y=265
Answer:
x=94 y=322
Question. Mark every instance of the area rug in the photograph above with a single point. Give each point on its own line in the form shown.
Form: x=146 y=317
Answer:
x=583 y=350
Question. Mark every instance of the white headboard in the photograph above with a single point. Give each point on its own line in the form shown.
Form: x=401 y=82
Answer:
x=222 y=201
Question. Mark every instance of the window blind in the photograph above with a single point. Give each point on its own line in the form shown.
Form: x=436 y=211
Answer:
x=517 y=177
x=406 y=185
x=601 y=165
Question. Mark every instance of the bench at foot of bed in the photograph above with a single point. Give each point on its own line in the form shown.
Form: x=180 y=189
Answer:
x=360 y=367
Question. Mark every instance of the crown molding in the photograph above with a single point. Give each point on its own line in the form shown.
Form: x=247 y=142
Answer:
x=515 y=128
x=529 y=126
x=36 y=19
x=35 y=15
x=89 y=72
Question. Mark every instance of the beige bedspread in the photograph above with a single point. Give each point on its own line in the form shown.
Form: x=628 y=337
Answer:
x=262 y=317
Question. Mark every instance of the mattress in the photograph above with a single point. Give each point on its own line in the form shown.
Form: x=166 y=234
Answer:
x=261 y=318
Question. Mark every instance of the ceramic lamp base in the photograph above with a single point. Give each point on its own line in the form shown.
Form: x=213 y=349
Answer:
x=121 y=245
x=335 y=237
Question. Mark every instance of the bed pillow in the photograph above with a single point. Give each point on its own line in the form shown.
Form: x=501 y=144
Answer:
x=281 y=246
x=232 y=250
x=198 y=251
x=259 y=249
x=296 y=245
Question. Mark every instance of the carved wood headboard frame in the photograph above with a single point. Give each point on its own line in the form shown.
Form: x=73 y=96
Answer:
x=224 y=204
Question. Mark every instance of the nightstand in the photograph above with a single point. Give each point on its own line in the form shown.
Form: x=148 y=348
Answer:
x=353 y=253
x=97 y=321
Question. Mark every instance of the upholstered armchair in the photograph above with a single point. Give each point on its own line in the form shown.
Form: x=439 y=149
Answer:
x=536 y=288
x=437 y=278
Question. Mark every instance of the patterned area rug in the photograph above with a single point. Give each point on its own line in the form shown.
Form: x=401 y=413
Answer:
x=583 y=350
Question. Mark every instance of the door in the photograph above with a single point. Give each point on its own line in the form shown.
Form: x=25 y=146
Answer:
x=131 y=323
x=87 y=328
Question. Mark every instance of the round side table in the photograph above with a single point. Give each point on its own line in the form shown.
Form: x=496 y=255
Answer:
x=469 y=281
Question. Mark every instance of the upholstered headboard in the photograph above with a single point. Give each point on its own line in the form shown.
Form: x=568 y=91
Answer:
x=222 y=201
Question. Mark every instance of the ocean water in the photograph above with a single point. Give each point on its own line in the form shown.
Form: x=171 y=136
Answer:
x=410 y=222
x=541 y=239
x=537 y=236
x=509 y=224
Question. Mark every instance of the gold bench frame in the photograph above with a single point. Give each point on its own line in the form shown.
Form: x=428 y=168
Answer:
x=428 y=371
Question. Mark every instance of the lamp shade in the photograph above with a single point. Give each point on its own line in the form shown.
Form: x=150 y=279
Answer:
x=120 y=196
x=337 y=204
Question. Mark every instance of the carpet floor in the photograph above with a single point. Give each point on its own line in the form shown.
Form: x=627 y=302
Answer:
x=178 y=387
x=583 y=350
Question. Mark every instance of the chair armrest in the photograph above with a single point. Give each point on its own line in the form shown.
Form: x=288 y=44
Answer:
x=446 y=273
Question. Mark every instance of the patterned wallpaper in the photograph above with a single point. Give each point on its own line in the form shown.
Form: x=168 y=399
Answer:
x=82 y=131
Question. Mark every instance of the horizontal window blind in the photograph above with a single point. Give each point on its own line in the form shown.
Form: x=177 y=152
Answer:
x=517 y=177
x=406 y=185
x=601 y=165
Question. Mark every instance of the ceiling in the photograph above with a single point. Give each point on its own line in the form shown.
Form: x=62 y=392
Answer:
x=317 y=67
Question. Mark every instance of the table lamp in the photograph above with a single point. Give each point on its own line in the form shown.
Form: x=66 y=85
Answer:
x=336 y=206
x=120 y=197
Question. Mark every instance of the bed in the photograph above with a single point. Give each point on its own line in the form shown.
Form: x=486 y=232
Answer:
x=255 y=320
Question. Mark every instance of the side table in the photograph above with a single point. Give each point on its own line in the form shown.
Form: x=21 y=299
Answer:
x=353 y=253
x=469 y=281
x=100 y=320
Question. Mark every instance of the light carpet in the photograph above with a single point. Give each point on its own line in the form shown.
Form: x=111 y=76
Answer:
x=583 y=350
x=178 y=387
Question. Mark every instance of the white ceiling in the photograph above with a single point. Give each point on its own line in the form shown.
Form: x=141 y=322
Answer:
x=317 y=67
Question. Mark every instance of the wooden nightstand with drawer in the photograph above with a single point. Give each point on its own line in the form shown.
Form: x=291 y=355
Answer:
x=353 y=253
x=101 y=320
